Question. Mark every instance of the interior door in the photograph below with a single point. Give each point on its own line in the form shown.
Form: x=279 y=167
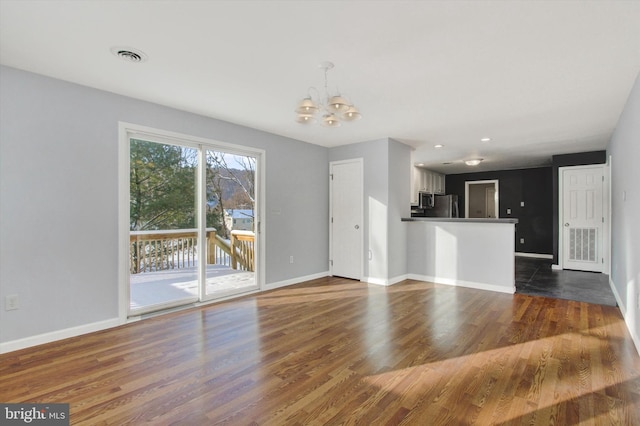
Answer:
x=582 y=218
x=346 y=219
x=490 y=202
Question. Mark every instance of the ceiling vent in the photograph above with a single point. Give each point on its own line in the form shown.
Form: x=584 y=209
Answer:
x=128 y=54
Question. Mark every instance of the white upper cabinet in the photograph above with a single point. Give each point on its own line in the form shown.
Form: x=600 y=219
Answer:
x=423 y=180
x=437 y=180
x=416 y=183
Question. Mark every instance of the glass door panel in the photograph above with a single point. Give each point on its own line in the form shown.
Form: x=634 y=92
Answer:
x=231 y=223
x=163 y=226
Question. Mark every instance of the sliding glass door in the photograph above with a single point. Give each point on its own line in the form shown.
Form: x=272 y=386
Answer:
x=192 y=222
x=231 y=223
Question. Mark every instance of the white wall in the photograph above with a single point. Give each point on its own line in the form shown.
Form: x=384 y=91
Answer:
x=624 y=150
x=467 y=254
x=59 y=201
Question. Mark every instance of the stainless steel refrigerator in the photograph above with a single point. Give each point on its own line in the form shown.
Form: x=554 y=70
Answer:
x=443 y=206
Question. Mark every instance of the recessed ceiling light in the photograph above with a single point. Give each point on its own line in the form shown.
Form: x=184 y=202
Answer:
x=473 y=162
x=438 y=146
x=485 y=139
x=129 y=54
x=420 y=164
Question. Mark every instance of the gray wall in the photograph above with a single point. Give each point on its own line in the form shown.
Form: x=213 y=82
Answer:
x=386 y=199
x=624 y=150
x=399 y=207
x=376 y=166
x=59 y=200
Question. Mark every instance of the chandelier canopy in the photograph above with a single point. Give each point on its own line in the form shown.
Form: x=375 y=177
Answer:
x=334 y=109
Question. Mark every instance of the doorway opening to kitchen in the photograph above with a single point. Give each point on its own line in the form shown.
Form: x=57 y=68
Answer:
x=481 y=199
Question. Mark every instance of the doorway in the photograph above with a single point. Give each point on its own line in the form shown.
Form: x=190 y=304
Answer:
x=189 y=219
x=346 y=211
x=582 y=218
x=482 y=199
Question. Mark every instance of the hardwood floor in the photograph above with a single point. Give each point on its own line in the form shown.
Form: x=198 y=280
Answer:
x=335 y=351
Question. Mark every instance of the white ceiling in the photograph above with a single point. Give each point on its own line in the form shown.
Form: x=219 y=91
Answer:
x=539 y=78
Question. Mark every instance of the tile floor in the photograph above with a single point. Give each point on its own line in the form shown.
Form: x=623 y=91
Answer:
x=535 y=277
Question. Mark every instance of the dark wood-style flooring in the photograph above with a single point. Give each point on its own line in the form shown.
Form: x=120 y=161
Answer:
x=335 y=351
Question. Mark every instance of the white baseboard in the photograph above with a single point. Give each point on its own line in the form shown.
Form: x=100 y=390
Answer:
x=627 y=318
x=40 y=339
x=555 y=267
x=534 y=255
x=297 y=280
x=461 y=283
x=385 y=281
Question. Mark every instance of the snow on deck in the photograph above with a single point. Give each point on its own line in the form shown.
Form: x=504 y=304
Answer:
x=161 y=287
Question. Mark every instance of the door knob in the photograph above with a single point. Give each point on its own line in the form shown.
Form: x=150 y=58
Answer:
x=357 y=226
x=566 y=224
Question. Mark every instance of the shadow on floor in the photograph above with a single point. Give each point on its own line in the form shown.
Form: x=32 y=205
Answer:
x=536 y=278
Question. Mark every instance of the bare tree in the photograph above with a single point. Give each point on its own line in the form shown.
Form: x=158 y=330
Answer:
x=235 y=169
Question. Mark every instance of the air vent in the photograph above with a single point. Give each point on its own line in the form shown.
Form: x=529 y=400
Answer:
x=128 y=54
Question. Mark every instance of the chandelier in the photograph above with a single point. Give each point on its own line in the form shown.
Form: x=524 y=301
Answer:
x=334 y=109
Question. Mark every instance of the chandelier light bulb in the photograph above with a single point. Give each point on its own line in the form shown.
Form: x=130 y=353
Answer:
x=330 y=120
x=305 y=118
x=352 y=114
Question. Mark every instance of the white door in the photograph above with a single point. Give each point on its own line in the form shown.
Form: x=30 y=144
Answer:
x=490 y=202
x=582 y=218
x=346 y=219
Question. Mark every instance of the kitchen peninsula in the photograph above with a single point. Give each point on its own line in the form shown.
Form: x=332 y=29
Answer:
x=476 y=253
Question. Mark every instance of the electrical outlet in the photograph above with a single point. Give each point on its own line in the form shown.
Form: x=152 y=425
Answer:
x=11 y=302
x=521 y=203
x=290 y=259
x=521 y=240
x=508 y=211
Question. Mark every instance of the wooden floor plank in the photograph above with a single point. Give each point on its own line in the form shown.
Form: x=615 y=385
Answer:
x=336 y=351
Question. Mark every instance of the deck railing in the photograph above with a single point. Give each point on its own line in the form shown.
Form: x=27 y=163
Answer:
x=176 y=249
x=242 y=243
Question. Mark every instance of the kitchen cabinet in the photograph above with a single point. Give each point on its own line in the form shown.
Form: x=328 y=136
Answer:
x=437 y=183
x=416 y=183
x=423 y=180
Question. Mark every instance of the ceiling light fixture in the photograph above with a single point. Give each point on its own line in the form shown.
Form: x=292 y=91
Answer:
x=485 y=140
x=473 y=162
x=438 y=146
x=334 y=109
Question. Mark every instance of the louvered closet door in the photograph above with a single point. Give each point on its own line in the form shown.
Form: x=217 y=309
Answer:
x=582 y=218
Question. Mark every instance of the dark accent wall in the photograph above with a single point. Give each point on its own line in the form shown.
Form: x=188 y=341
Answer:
x=534 y=187
x=566 y=160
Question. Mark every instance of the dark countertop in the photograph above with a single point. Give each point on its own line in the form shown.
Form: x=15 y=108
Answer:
x=458 y=219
